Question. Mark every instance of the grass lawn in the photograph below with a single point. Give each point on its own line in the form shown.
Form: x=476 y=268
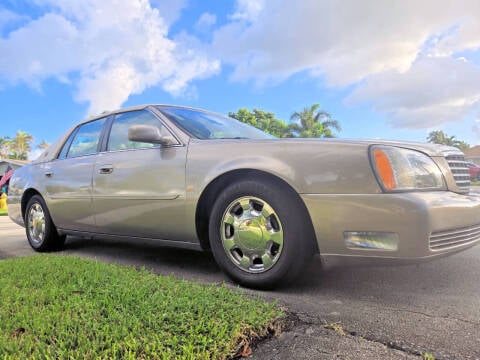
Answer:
x=475 y=182
x=3 y=212
x=56 y=307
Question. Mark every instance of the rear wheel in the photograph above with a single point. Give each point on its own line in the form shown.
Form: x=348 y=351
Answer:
x=41 y=232
x=259 y=233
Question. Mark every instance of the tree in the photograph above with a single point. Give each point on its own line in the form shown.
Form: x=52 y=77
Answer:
x=439 y=137
x=43 y=145
x=17 y=147
x=21 y=145
x=262 y=120
x=313 y=122
x=5 y=146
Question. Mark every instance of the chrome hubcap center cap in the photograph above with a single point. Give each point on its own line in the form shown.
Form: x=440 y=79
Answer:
x=250 y=235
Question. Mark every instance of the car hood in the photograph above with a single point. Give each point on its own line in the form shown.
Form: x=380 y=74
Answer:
x=427 y=148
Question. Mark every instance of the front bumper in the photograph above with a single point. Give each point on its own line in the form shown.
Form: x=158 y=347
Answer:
x=419 y=218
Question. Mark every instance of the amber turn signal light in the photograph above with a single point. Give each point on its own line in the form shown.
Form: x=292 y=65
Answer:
x=384 y=169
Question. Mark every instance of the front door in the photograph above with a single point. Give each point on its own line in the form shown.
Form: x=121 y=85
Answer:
x=139 y=188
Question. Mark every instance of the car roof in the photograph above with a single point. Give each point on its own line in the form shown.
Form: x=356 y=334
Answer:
x=54 y=148
x=137 y=107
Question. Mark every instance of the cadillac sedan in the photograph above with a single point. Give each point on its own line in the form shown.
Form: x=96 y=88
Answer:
x=263 y=206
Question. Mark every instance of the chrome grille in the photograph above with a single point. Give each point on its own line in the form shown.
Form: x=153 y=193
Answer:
x=460 y=171
x=446 y=239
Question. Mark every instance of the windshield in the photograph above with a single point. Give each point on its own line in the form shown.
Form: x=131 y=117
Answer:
x=207 y=125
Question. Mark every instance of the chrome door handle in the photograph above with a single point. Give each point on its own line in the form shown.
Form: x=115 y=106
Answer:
x=106 y=169
x=48 y=173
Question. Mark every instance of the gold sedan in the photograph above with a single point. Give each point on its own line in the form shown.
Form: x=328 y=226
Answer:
x=264 y=206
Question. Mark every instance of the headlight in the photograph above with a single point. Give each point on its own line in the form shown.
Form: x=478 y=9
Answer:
x=399 y=169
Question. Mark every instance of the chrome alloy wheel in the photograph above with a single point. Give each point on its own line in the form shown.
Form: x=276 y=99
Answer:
x=252 y=234
x=36 y=223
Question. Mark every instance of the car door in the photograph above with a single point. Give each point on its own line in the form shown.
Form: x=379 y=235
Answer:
x=139 y=188
x=68 y=179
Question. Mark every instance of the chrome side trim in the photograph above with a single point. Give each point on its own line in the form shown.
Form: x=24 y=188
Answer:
x=133 y=239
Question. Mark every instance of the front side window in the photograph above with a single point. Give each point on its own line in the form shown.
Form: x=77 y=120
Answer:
x=118 y=139
x=86 y=139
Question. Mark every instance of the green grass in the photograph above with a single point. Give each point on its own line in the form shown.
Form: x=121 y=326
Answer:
x=428 y=356
x=3 y=212
x=59 y=307
x=475 y=182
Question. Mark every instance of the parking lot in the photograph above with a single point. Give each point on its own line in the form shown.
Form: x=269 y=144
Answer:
x=386 y=312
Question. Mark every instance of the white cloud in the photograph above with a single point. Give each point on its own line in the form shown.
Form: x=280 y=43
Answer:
x=34 y=154
x=114 y=48
x=205 y=21
x=169 y=10
x=406 y=47
x=476 y=127
x=435 y=90
x=248 y=9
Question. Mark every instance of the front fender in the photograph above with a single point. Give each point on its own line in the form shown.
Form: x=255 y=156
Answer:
x=309 y=167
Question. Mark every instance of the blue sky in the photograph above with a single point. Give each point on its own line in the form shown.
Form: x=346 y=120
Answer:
x=384 y=70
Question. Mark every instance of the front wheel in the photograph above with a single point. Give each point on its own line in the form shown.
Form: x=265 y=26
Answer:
x=41 y=232
x=259 y=233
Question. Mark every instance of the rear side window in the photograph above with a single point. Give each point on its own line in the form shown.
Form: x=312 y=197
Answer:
x=118 y=139
x=86 y=139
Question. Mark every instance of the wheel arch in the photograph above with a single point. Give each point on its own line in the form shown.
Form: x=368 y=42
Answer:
x=27 y=195
x=211 y=191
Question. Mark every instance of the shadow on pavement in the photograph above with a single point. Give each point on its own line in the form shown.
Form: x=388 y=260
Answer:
x=350 y=282
x=183 y=263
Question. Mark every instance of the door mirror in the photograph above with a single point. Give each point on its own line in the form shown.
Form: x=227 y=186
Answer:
x=149 y=134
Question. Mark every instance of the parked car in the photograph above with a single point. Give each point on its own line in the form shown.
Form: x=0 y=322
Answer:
x=474 y=170
x=264 y=206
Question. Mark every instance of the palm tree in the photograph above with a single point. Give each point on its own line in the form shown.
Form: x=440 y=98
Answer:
x=21 y=145
x=43 y=145
x=328 y=125
x=313 y=122
x=439 y=137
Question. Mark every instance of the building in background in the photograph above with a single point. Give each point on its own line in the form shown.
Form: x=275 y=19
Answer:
x=473 y=154
x=14 y=164
x=7 y=167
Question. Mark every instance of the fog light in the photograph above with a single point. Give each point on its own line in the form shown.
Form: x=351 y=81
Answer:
x=371 y=240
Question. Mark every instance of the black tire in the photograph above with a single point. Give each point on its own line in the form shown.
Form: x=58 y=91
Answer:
x=42 y=238
x=298 y=244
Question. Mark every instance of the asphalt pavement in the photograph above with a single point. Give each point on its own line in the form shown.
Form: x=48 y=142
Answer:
x=339 y=313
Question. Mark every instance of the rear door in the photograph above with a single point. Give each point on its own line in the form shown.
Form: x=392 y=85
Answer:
x=68 y=179
x=139 y=188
